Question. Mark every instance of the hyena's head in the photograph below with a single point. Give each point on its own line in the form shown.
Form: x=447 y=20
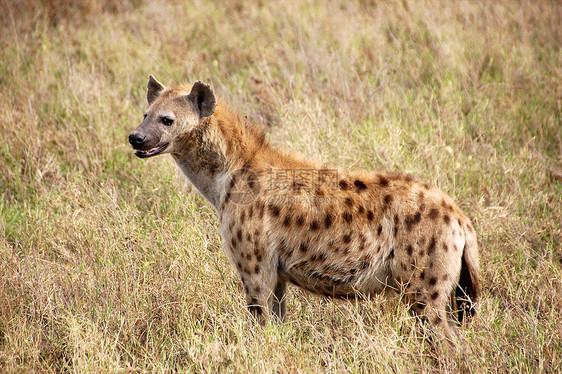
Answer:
x=172 y=113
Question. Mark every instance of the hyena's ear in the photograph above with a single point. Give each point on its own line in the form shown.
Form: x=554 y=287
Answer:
x=154 y=89
x=203 y=96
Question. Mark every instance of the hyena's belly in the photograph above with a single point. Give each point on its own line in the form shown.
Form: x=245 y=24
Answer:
x=323 y=281
x=336 y=274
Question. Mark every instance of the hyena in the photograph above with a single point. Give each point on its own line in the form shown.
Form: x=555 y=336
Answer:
x=285 y=219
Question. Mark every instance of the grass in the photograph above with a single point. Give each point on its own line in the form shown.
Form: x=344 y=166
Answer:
x=111 y=263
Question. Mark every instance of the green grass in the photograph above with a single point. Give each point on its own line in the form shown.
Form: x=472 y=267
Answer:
x=112 y=263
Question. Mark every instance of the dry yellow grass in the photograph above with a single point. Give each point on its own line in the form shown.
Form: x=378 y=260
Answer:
x=109 y=263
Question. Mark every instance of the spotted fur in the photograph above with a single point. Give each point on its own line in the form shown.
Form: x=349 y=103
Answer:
x=337 y=233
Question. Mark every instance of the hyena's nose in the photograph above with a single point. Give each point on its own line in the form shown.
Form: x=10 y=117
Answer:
x=136 y=139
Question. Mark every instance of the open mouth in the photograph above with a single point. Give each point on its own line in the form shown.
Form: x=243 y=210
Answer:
x=150 y=152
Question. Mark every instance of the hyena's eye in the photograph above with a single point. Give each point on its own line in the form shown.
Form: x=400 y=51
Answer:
x=144 y=116
x=167 y=121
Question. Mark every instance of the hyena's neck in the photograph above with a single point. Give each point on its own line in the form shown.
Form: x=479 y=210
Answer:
x=201 y=161
x=222 y=145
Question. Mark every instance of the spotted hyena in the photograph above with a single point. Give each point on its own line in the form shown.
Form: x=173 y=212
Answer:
x=285 y=219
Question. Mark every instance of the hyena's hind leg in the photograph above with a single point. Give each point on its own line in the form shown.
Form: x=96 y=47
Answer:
x=428 y=297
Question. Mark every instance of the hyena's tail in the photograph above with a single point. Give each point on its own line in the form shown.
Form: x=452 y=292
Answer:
x=468 y=288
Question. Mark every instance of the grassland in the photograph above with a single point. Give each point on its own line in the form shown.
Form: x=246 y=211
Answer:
x=109 y=263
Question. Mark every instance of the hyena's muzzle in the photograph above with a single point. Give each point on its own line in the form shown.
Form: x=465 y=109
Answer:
x=146 y=144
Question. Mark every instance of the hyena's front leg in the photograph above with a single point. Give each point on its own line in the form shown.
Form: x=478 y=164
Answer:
x=279 y=302
x=264 y=291
x=256 y=261
x=264 y=296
